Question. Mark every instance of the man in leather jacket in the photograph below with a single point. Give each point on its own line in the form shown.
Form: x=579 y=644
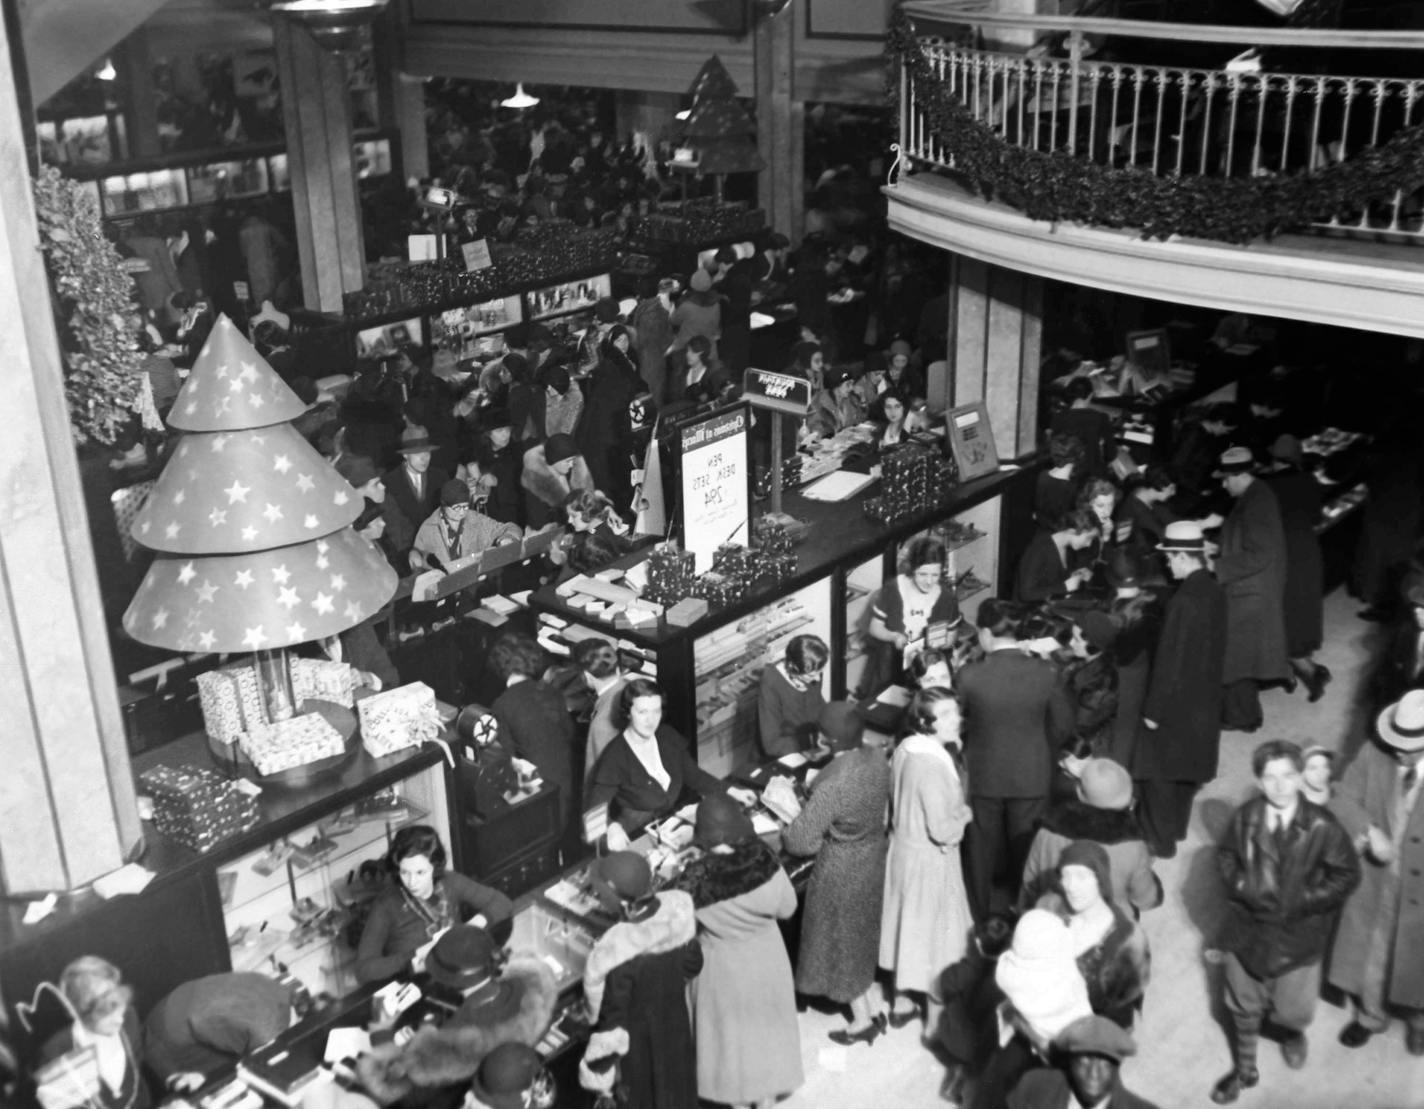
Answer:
x=1288 y=866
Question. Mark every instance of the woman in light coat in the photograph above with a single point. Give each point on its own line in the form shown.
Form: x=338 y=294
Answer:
x=926 y=923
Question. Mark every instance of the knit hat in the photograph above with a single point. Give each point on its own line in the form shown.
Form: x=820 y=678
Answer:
x=1040 y=976
x=721 y=822
x=841 y=725
x=668 y=285
x=462 y=958
x=834 y=378
x=701 y=280
x=605 y=310
x=506 y=1074
x=454 y=492
x=558 y=448
x=413 y=440
x=1105 y=785
x=1084 y=852
x=1095 y=1036
x=619 y=877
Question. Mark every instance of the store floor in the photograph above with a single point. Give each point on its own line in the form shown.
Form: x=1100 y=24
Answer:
x=1182 y=1048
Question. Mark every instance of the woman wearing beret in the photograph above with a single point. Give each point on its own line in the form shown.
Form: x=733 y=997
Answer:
x=744 y=1002
x=843 y=826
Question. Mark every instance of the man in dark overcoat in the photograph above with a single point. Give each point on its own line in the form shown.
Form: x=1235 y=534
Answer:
x=1017 y=718
x=1377 y=957
x=1252 y=569
x=1176 y=749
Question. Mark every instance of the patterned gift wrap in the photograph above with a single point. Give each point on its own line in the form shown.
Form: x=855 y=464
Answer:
x=231 y=702
x=398 y=718
x=197 y=807
x=670 y=575
x=291 y=743
x=322 y=680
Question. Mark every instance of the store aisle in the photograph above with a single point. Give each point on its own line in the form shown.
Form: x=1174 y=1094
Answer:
x=1182 y=1050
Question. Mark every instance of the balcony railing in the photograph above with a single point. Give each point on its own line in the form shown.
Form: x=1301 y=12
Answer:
x=1093 y=120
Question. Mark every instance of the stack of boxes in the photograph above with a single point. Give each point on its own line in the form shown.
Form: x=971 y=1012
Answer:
x=915 y=481
x=670 y=574
x=198 y=807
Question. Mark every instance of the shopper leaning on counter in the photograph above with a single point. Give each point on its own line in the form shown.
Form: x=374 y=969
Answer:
x=423 y=902
x=744 y=1001
x=635 y=982
x=789 y=697
x=843 y=826
x=642 y=773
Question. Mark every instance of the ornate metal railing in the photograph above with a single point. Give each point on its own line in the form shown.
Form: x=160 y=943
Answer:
x=1073 y=121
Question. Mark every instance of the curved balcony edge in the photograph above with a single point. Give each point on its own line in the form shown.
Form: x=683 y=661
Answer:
x=1345 y=283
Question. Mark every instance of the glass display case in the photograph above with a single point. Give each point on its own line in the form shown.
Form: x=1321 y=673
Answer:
x=568 y=296
x=227 y=180
x=861 y=582
x=145 y=192
x=387 y=339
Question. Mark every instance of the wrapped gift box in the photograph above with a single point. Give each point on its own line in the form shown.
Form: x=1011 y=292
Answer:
x=291 y=743
x=196 y=806
x=322 y=680
x=398 y=718
x=231 y=702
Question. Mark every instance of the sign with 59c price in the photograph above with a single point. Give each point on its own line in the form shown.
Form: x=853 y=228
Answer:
x=716 y=502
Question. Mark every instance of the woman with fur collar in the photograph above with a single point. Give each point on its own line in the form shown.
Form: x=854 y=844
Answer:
x=515 y=1004
x=552 y=470
x=744 y=1002
x=1103 y=813
x=635 y=983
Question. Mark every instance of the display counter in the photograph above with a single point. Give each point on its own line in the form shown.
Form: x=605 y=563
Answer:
x=844 y=557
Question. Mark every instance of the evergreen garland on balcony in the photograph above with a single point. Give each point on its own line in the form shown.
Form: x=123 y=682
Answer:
x=1060 y=186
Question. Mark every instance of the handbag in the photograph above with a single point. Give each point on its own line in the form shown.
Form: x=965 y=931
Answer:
x=72 y=1079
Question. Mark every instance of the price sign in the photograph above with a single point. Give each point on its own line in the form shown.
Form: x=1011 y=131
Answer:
x=477 y=255
x=971 y=439
x=716 y=482
x=778 y=392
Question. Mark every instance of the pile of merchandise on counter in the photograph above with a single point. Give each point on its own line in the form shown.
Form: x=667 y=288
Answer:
x=915 y=481
x=198 y=807
x=699 y=220
x=791 y=477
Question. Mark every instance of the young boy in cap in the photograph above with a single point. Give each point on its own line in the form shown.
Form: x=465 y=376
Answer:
x=1088 y=1052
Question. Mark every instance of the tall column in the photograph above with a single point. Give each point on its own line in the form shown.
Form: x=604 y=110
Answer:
x=67 y=807
x=781 y=121
x=317 y=113
x=995 y=345
x=408 y=109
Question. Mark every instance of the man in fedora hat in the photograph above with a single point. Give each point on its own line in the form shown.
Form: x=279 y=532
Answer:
x=1252 y=569
x=1377 y=958
x=1176 y=750
x=1288 y=866
x=412 y=490
x=1088 y=1054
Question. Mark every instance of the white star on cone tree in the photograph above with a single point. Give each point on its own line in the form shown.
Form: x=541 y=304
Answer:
x=252 y=525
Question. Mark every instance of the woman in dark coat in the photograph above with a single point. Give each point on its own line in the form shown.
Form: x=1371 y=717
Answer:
x=605 y=432
x=1298 y=494
x=636 y=985
x=533 y=722
x=843 y=825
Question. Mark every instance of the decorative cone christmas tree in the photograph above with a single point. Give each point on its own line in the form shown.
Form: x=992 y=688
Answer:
x=718 y=127
x=252 y=527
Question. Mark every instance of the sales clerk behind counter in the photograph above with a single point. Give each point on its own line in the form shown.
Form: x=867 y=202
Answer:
x=455 y=530
x=642 y=772
x=423 y=902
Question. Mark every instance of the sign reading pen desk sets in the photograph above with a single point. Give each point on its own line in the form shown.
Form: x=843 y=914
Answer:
x=716 y=482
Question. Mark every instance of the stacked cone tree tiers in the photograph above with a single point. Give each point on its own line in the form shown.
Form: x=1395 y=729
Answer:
x=252 y=527
x=718 y=126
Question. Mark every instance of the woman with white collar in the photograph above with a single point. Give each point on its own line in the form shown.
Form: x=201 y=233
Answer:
x=104 y=1020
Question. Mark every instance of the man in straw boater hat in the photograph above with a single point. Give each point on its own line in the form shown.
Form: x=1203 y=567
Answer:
x=1373 y=958
x=1252 y=569
x=1176 y=749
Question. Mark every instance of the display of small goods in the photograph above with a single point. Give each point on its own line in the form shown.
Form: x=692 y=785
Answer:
x=696 y=221
x=915 y=480
x=398 y=718
x=227 y=180
x=457 y=328
x=670 y=574
x=1332 y=440
x=145 y=192
x=196 y=806
x=380 y=342
x=570 y=296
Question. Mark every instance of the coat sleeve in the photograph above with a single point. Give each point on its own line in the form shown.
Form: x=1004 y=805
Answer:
x=373 y=962
x=1062 y=719
x=1350 y=802
x=946 y=815
x=478 y=899
x=1338 y=874
x=1259 y=540
x=1144 y=889
x=1229 y=863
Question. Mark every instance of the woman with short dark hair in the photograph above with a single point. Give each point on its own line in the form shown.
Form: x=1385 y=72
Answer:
x=789 y=697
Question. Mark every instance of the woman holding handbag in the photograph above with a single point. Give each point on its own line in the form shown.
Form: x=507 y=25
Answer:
x=94 y=1062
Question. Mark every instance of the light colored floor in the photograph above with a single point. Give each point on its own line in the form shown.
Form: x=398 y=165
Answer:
x=1182 y=1049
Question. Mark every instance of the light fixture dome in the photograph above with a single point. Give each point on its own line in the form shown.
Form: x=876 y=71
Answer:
x=520 y=99
x=337 y=25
